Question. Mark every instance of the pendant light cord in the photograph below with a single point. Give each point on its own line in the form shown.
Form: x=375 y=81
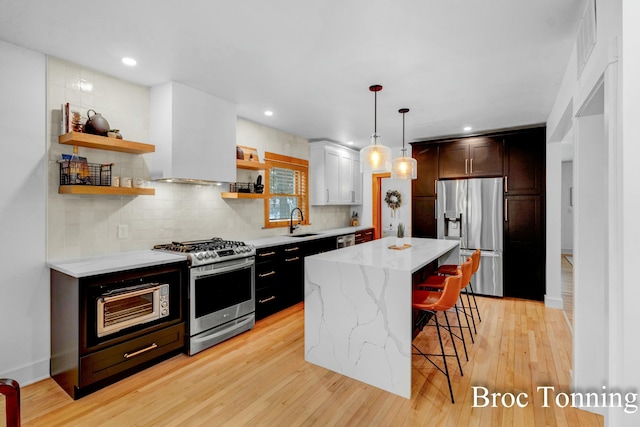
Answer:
x=375 y=89
x=403 y=111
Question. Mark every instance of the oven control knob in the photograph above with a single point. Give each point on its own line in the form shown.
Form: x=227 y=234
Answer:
x=207 y=255
x=163 y=304
x=213 y=254
x=164 y=312
x=199 y=255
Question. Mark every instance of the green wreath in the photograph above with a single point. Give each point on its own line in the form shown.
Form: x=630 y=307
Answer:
x=393 y=199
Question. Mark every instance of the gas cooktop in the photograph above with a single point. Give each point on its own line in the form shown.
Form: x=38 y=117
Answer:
x=201 y=252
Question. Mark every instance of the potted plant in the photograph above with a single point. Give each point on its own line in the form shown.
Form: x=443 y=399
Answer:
x=400 y=236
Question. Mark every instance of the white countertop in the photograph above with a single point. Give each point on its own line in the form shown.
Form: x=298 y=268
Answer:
x=284 y=239
x=102 y=264
x=377 y=253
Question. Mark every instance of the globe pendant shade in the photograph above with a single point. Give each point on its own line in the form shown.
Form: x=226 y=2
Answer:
x=404 y=168
x=375 y=158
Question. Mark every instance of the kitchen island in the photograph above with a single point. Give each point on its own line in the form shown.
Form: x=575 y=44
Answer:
x=358 y=315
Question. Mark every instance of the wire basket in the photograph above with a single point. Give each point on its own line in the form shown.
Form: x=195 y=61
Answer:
x=245 y=187
x=83 y=173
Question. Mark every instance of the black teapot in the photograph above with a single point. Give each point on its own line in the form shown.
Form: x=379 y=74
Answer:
x=96 y=124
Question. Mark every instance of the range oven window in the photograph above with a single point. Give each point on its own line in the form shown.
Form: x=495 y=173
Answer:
x=218 y=291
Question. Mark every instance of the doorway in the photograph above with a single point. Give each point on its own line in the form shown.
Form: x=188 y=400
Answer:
x=386 y=219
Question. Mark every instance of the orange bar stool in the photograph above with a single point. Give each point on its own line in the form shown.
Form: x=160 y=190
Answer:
x=428 y=304
x=437 y=283
x=449 y=269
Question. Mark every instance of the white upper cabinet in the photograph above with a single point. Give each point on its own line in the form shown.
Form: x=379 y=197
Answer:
x=194 y=134
x=334 y=175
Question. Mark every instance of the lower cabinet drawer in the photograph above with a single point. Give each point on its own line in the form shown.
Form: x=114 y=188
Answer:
x=269 y=300
x=114 y=360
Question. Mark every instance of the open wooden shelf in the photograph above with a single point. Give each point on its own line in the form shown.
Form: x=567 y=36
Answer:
x=98 y=189
x=249 y=164
x=104 y=143
x=228 y=195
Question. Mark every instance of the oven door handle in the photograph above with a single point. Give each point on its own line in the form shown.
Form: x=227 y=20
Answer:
x=207 y=270
x=122 y=295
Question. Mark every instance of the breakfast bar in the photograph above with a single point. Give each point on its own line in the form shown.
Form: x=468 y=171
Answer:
x=358 y=315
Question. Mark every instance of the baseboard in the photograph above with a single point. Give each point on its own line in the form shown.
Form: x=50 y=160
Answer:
x=550 y=302
x=29 y=374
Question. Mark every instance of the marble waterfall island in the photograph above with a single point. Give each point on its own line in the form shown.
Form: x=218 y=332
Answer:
x=357 y=305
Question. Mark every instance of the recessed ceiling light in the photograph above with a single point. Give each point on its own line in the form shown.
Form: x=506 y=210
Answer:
x=268 y=113
x=129 y=61
x=349 y=142
x=467 y=128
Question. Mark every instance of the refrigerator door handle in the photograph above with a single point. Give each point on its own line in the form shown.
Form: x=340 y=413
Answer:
x=506 y=210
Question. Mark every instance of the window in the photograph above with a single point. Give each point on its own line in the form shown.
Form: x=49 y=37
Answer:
x=286 y=183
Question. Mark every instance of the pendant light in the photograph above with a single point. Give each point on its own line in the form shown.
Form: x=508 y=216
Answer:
x=375 y=158
x=404 y=167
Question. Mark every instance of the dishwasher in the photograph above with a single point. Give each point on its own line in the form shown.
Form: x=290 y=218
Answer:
x=346 y=240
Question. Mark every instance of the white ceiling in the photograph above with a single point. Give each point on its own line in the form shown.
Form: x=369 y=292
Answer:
x=489 y=64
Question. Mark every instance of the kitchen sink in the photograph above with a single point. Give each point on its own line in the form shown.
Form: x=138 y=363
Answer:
x=303 y=235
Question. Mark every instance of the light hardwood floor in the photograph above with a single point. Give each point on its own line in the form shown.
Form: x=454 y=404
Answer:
x=260 y=378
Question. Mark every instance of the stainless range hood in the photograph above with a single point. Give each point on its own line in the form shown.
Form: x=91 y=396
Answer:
x=194 y=133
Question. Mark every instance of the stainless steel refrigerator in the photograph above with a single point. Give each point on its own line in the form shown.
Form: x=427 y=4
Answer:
x=471 y=211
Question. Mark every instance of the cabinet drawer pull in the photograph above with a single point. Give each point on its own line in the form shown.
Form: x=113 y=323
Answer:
x=262 y=301
x=506 y=183
x=144 y=350
x=435 y=186
x=292 y=249
x=292 y=259
x=471 y=163
x=327 y=195
x=353 y=196
x=466 y=166
x=271 y=273
x=267 y=253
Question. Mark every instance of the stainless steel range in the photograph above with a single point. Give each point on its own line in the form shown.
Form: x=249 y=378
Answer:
x=221 y=289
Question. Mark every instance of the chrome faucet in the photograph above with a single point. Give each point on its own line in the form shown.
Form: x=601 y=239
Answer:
x=291 y=226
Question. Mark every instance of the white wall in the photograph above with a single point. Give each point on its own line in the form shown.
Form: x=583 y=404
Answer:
x=390 y=220
x=590 y=268
x=553 y=291
x=24 y=288
x=566 y=208
x=625 y=351
x=614 y=352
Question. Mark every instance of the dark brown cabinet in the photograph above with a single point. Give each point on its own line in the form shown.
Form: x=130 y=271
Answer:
x=427 y=157
x=518 y=156
x=271 y=281
x=82 y=360
x=363 y=236
x=423 y=217
x=524 y=207
x=471 y=158
x=423 y=190
x=523 y=249
x=524 y=162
